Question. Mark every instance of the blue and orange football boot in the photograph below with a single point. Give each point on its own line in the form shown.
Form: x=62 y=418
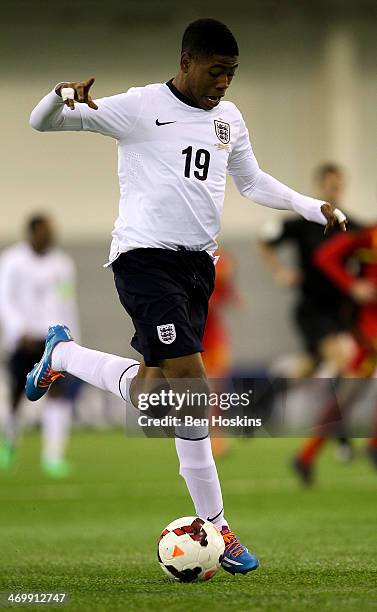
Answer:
x=39 y=380
x=237 y=559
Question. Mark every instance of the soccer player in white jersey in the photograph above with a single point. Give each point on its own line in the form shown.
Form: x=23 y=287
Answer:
x=177 y=141
x=36 y=289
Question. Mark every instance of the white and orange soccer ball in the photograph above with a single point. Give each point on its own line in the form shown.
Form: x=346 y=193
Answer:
x=190 y=549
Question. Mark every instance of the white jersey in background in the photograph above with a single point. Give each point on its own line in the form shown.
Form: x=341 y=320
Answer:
x=173 y=159
x=36 y=291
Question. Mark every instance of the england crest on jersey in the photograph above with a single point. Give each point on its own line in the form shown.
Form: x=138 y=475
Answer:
x=222 y=130
x=166 y=333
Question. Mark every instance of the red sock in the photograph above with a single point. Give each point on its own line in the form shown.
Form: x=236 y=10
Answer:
x=372 y=443
x=310 y=449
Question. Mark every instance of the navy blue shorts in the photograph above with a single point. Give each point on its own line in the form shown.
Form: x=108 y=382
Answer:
x=166 y=294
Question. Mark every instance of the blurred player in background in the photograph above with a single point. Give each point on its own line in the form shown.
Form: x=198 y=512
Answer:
x=37 y=288
x=333 y=259
x=217 y=341
x=323 y=314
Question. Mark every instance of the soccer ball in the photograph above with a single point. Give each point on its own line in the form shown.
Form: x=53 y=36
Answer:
x=190 y=549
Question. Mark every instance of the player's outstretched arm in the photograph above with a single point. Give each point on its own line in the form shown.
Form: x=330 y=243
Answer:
x=268 y=191
x=284 y=276
x=69 y=106
x=51 y=113
x=264 y=189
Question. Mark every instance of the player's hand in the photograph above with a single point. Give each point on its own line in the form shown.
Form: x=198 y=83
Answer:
x=333 y=217
x=364 y=291
x=288 y=278
x=82 y=95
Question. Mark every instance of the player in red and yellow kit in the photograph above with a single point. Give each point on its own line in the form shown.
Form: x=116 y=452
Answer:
x=332 y=258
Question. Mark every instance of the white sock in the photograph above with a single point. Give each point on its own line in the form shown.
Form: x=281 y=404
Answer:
x=108 y=372
x=198 y=468
x=56 y=422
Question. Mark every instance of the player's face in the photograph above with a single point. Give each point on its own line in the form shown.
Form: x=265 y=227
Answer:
x=208 y=78
x=332 y=186
x=43 y=237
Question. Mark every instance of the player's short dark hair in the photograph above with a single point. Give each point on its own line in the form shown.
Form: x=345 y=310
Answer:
x=328 y=168
x=206 y=37
x=34 y=221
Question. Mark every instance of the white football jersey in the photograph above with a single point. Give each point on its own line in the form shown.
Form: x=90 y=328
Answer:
x=36 y=291
x=173 y=159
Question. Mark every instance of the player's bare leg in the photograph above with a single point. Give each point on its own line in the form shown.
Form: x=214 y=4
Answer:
x=337 y=352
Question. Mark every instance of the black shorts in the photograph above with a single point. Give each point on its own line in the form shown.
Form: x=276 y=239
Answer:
x=166 y=294
x=318 y=321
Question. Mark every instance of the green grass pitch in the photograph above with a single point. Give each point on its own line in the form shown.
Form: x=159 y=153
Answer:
x=94 y=535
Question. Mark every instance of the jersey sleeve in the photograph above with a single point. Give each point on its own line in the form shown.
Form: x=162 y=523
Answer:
x=115 y=117
x=242 y=161
x=264 y=189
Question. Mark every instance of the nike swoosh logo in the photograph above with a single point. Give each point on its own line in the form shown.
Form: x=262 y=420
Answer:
x=164 y=122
